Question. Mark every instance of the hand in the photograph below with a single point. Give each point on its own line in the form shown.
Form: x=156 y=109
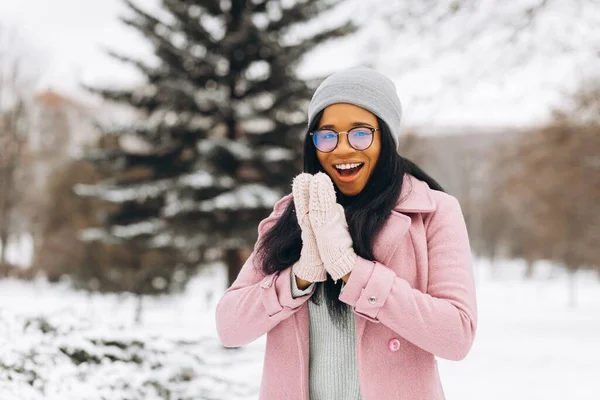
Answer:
x=309 y=267
x=330 y=227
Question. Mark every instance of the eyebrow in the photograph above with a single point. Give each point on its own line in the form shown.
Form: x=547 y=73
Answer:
x=353 y=124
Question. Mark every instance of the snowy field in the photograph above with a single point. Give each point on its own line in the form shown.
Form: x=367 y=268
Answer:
x=56 y=343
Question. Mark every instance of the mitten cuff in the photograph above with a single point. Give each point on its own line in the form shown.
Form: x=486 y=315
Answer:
x=311 y=273
x=343 y=265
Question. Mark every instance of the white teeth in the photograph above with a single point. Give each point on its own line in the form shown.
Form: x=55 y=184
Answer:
x=347 y=166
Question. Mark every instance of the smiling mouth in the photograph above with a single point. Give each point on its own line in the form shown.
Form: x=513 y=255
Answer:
x=348 y=172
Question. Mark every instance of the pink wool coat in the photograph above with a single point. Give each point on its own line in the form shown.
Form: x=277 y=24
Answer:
x=413 y=303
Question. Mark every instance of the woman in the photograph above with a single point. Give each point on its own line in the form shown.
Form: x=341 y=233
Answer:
x=373 y=236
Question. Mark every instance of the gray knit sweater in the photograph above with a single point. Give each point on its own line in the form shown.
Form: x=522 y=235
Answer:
x=333 y=374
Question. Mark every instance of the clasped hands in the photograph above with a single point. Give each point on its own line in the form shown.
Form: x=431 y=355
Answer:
x=326 y=241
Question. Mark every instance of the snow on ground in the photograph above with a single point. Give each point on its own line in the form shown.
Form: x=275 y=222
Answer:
x=530 y=344
x=56 y=343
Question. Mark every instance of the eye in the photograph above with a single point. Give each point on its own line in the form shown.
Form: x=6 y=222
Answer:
x=361 y=132
x=326 y=134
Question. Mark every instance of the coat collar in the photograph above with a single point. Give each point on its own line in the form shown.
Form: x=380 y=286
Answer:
x=415 y=197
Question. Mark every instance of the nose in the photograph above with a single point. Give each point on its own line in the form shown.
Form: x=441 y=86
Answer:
x=343 y=146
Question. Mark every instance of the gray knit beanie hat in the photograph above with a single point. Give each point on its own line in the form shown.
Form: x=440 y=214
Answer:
x=363 y=87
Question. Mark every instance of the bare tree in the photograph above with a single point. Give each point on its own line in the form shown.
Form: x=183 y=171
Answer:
x=555 y=191
x=15 y=85
x=480 y=42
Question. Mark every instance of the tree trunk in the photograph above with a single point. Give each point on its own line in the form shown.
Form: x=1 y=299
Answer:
x=572 y=288
x=139 y=308
x=5 y=192
x=494 y=268
x=529 y=269
x=4 y=244
x=233 y=260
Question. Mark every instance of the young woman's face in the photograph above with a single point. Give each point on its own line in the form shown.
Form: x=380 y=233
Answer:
x=342 y=117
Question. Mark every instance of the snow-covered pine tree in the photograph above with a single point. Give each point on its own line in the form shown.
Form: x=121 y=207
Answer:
x=224 y=116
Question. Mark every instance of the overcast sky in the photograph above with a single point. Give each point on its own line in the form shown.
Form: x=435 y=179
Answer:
x=68 y=37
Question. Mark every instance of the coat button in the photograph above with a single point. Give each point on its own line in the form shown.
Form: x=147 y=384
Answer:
x=372 y=300
x=394 y=345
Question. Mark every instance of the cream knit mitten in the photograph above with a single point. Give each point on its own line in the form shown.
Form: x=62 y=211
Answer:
x=309 y=267
x=329 y=224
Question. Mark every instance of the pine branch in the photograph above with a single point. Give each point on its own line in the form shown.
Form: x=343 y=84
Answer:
x=213 y=7
x=165 y=49
x=152 y=73
x=192 y=27
x=151 y=20
x=291 y=55
x=301 y=12
x=260 y=7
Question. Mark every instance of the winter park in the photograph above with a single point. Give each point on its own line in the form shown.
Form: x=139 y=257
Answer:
x=142 y=142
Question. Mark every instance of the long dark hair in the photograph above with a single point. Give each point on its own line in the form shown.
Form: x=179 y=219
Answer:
x=366 y=213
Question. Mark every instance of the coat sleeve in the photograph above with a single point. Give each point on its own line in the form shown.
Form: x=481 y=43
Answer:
x=441 y=321
x=255 y=302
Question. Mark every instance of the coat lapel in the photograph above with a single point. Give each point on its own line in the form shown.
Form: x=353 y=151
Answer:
x=415 y=198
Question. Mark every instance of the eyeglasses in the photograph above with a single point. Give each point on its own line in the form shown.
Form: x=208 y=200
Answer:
x=360 y=138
